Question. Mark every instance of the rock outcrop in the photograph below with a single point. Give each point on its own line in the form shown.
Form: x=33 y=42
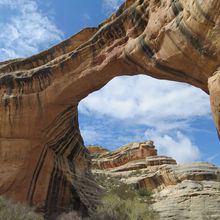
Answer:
x=95 y=150
x=190 y=191
x=43 y=160
x=167 y=175
x=123 y=155
x=159 y=160
x=194 y=200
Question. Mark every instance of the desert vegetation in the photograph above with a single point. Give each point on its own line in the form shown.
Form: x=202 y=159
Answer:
x=119 y=202
x=12 y=211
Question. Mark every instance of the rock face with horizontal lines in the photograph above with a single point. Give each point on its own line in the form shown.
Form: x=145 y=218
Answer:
x=190 y=191
x=43 y=160
x=193 y=200
x=123 y=155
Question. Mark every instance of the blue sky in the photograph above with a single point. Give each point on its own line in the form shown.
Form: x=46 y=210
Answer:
x=176 y=116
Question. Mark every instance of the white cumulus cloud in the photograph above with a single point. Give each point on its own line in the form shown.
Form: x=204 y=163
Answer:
x=25 y=30
x=167 y=110
x=176 y=145
x=160 y=104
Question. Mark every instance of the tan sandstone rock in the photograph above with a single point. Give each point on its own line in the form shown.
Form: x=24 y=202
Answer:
x=183 y=192
x=162 y=176
x=159 y=160
x=42 y=156
x=193 y=200
x=187 y=191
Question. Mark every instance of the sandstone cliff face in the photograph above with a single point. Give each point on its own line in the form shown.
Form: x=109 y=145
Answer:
x=43 y=160
x=123 y=155
x=190 y=191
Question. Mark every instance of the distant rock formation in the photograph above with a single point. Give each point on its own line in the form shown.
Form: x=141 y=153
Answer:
x=95 y=150
x=194 y=196
x=43 y=160
x=123 y=155
x=190 y=191
x=167 y=175
x=159 y=160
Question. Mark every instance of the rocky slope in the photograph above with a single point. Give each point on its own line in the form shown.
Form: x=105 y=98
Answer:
x=190 y=191
x=43 y=161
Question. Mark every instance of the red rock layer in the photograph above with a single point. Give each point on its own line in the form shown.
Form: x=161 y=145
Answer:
x=123 y=155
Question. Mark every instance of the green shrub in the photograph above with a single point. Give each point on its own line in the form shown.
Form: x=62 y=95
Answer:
x=113 y=185
x=11 y=211
x=144 y=192
x=115 y=208
x=120 y=201
x=124 y=191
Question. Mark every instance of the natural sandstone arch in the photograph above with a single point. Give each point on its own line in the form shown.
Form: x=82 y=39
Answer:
x=42 y=157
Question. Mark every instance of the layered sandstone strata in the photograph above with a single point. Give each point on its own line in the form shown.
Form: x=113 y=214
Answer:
x=193 y=200
x=43 y=160
x=124 y=154
x=166 y=175
x=159 y=160
x=190 y=191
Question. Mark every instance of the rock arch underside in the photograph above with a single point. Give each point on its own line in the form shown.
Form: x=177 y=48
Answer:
x=43 y=160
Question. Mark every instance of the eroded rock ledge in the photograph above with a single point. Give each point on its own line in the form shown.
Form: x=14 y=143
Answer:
x=123 y=155
x=43 y=161
x=190 y=191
